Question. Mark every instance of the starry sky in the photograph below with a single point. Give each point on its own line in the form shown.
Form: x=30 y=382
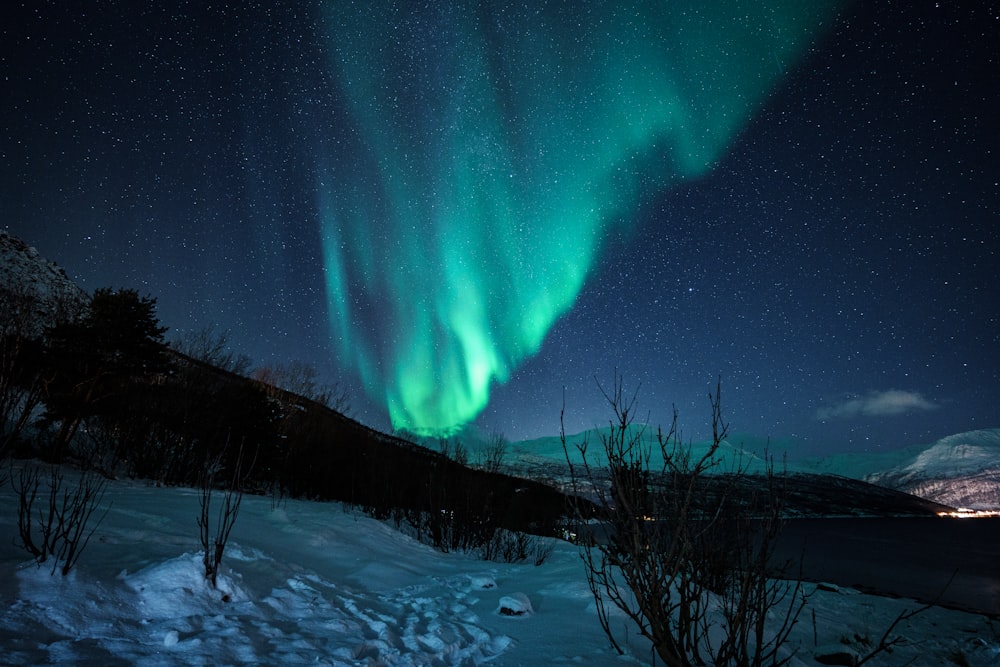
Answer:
x=462 y=212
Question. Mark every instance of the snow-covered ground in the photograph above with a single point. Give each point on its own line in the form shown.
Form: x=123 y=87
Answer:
x=315 y=583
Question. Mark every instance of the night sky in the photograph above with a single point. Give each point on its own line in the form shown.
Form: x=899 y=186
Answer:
x=458 y=210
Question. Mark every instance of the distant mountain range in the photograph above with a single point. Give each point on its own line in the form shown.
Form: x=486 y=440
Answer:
x=961 y=470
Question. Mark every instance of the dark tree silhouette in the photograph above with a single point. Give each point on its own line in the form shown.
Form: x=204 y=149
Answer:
x=94 y=360
x=24 y=318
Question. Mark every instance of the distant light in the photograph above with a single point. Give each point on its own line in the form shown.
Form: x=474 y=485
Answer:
x=966 y=513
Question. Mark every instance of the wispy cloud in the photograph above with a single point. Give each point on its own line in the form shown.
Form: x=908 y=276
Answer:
x=877 y=404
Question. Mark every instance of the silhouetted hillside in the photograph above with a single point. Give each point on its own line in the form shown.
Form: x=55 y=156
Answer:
x=169 y=417
x=322 y=454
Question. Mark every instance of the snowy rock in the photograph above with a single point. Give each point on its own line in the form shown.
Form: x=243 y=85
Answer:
x=835 y=654
x=517 y=604
x=41 y=288
x=482 y=582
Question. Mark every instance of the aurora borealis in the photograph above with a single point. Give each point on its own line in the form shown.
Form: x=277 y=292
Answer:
x=463 y=212
x=503 y=143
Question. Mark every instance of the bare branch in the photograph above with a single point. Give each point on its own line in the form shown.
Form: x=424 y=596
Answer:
x=679 y=550
x=61 y=531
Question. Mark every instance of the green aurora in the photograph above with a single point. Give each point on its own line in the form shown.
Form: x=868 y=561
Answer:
x=490 y=150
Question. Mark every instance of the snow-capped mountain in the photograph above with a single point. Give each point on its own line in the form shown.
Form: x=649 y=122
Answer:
x=961 y=470
x=36 y=289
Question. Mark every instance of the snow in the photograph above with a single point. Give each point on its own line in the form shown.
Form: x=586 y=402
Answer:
x=319 y=583
x=953 y=456
x=961 y=470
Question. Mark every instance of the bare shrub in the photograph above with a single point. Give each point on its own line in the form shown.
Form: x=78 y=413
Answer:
x=515 y=546
x=212 y=345
x=213 y=546
x=450 y=531
x=454 y=449
x=303 y=379
x=61 y=530
x=542 y=551
x=491 y=457
x=686 y=552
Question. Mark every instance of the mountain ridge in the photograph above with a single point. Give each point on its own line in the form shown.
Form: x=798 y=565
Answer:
x=959 y=470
